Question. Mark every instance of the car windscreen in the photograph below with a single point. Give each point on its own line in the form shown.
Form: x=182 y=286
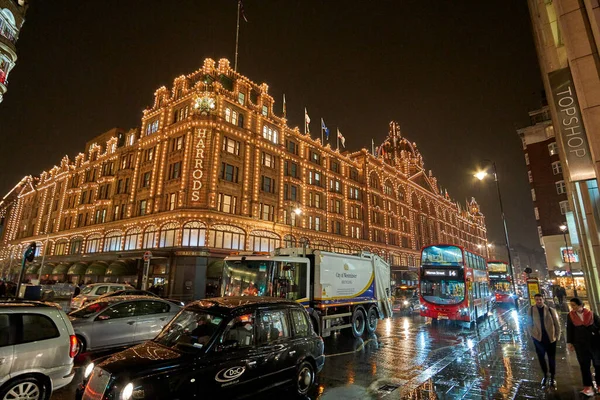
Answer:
x=89 y=310
x=190 y=330
x=87 y=290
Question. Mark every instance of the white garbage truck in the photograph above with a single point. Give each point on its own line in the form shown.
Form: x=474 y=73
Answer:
x=339 y=291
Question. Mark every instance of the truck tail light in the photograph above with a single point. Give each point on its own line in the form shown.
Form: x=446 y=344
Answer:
x=73 y=346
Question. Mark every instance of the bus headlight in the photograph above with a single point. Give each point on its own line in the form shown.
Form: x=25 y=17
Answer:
x=127 y=392
x=423 y=307
x=88 y=370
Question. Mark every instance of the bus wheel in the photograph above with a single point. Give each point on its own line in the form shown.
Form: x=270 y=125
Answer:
x=372 y=319
x=358 y=323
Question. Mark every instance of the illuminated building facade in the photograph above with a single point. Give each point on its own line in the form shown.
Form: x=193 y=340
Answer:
x=214 y=170
x=12 y=15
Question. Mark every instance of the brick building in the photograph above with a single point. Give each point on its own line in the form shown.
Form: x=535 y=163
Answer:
x=213 y=169
x=12 y=15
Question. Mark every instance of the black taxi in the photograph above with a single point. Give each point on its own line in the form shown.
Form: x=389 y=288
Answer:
x=232 y=347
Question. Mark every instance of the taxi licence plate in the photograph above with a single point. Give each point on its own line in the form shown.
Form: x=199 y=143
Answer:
x=442 y=316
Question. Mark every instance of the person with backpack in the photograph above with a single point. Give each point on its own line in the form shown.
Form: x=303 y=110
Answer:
x=544 y=328
x=583 y=337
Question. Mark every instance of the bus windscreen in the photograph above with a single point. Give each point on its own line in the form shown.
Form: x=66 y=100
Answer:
x=442 y=256
x=497 y=267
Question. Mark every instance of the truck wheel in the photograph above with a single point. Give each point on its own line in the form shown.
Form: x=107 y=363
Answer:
x=372 y=319
x=358 y=323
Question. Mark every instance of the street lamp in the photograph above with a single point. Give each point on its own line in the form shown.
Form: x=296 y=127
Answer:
x=296 y=211
x=563 y=228
x=481 y=175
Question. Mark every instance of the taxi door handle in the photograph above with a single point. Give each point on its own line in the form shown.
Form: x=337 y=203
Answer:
x=251 y=363
x=292 y=352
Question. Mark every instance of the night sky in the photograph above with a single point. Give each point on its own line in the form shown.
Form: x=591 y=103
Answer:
x=458 y=76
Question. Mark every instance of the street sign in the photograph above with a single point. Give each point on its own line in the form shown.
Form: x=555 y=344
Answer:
x=147 y=255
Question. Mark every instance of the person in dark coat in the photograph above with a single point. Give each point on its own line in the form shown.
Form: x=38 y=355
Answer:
x=2 y=289
x=583 y=337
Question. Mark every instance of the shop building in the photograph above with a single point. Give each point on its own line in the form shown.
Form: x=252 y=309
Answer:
x=212 y=170
x=12 y=14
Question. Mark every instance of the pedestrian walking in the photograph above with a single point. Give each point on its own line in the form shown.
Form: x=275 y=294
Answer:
x=561 y=293
x=544 y=328
x=3 y=289
x=583 y=337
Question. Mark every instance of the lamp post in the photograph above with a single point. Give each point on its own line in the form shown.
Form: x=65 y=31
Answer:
x=481 y=175
x=296 y=211
x=563 y=228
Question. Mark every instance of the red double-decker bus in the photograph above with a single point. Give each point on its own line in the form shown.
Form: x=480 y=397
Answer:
x=453 y=284
x=500 y=282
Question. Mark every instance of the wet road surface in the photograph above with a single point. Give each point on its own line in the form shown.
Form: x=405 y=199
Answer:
x=411 y=357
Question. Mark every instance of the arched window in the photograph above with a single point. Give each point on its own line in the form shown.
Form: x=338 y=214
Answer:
x=194 y=234
x=374 y=181
x=76 y=245
x=227 y=237
x=321 y=245
x=264 y=241
x=132 y=239
x=60 y=248
x=304 y=241
x=112 y=241
x=167 y=235
x=387 y=188
x=341 y=248
x=395 y=259
x=149 y=237
x=401 y=194
x=92 y=244
x=289 y=241
x=38 y=249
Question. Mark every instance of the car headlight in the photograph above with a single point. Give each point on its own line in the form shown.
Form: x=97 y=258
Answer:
x=88 y=370
x=127 y=392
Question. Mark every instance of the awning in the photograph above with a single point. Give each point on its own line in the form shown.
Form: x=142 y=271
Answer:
x=32 y=268
x=97 y=268
x=122 y=268
x=61 y=269
x=411 y=276
x=47 y=268
x=215 y=269
x=78 y=268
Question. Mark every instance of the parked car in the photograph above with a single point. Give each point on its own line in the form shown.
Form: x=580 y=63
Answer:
x=93 y=291
x=120 y=321
x=139 y=292
x=405 y=300
x=229 y=347
x=37 y=347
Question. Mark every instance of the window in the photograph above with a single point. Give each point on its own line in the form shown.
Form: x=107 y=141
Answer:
x=241 y=98
x=552 y=148
x=121 y=310
x=315 y=157
x=300 y=323
x=231 y=146
x=112 y=241
x=536 y=211
x=92 y=245
x=227 y=237
x=132 y=239
x=561 y=188
x=268 y=184
x=149 y=237
x=194 y=234
x=314 y=178
x=533 y=197
x=60 y=248
x=231 y=116
x=131 y=139
x=115 y=213
x=181 y=113
x=152 y=127
x=556 y=168
x=172 y=202
x=265 y=111
x=142 y=207
x=167 y=235
x=336 y=206
x=268 y=160
x=146 y=179
x=292 y=147
x=229 y=173
x=526 y=159
x=264 y=241
x=564 y=207
x=149 y=154
x=335 y=167
x=267 y=212
x=5 y=331
x=314 y=223
x=151 y=307
x=176 y=144
x=290 y=192
x=271 y=134
x=335 y=186
x=75 y=247
x=227 y=203
x=354 y=175
x=175 y=170
x=355 y=232
x=37 y=327
x=336 y=227
x=272 y=327
x=354 y=193
x=240 y=330
x=291 y=169
x=530 y=176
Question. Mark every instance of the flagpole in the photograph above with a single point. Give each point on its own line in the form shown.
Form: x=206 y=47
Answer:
x=237 y=35
x=338 y=138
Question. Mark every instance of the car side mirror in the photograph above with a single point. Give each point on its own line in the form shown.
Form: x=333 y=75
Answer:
x=103 y=317
x=228 y=345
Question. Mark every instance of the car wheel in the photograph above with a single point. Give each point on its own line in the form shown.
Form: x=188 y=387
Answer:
x=372 y=319
x=305 y=378
x=24 y=389
x=80 y=346
x=358 y=323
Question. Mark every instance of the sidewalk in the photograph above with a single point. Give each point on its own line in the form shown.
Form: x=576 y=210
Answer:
x=503 y=365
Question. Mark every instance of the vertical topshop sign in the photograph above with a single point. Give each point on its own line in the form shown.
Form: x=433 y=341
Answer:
x=571 y=131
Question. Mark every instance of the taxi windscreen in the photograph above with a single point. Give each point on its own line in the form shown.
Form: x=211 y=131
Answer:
x=190 y=330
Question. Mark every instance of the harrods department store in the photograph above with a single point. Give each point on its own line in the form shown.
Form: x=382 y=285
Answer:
x=213 y=170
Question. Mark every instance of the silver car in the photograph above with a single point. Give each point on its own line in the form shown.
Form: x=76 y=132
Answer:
x=37 y=347
x=94 y=291
x=120 y=321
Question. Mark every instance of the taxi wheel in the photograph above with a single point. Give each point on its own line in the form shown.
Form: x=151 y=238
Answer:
x=305 y=378
x=372 y=320
x=80 y=346
x=358 y=323
x=24 y=389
